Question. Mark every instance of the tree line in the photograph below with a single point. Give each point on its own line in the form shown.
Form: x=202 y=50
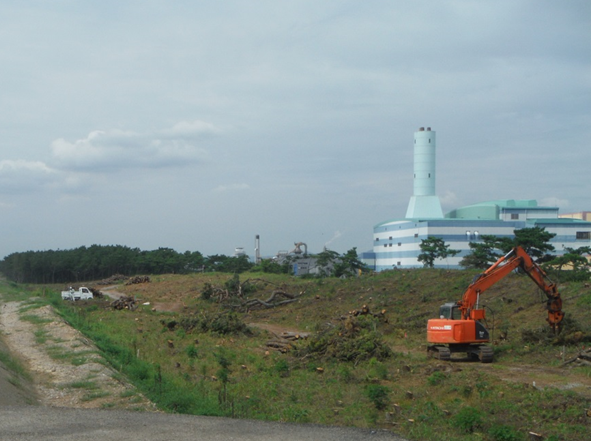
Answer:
x=102 y=261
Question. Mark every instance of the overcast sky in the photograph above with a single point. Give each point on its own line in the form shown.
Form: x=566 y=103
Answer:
x=197 y=125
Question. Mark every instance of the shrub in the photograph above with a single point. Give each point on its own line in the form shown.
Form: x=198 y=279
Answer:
x=504 y=433
x=436 y=378
x=468 y=419
x=207 y=292
x=378 y=395
x=192 y=351
x=221 y=323
x=282 y=367
x=378 y=369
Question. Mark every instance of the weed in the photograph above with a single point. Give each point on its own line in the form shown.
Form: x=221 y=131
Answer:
x=35 y=319
x=282 y=368
x=378 y=395
x=468 y=419
x=377 y=369
x=40 y=336
x=192 y=352
x=83 y=385
x=436 y=378
x=95 y=395
x=14 y=365
x=504 y=433
x=345 y=374
x=127 y=393
x=79 y=361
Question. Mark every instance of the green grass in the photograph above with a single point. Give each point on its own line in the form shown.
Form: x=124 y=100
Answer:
x=82 y=385
x=208 y=373
x=95 y=395
x=14 y=365
x=35 y=319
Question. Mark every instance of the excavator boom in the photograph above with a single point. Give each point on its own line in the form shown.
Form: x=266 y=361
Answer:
x=516 y=258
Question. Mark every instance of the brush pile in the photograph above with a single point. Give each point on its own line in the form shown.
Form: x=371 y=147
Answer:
x=96 y=293
x=283 y=342
x=124 y=302
x=582 y=359
x=138 y=279
x=113 y=280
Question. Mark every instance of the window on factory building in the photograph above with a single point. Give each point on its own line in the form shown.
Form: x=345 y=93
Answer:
x=416 y=234
x=390 y=245
x=398 y=263
x=390 y=237
x=385 y=245
x=584 y=235
x=514 y=216
x=399 y=244
x=377 y=239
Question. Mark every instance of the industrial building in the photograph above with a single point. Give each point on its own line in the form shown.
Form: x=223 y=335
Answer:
x=396 y=243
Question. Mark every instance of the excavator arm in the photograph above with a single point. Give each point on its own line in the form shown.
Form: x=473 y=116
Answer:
x=516 y=258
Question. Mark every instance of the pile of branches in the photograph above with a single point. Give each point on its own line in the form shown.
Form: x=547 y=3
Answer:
x=354 y=338
x=96 y=293
x=284 y=342
x=278 y=297
x=138 y=279
x=236 y=294
x=223 y=323
x=124 y=302
x=114 y=279
x=364 y=310
x=582 y=359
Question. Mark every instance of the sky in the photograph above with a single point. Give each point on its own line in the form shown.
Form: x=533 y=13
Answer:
x=197 y=125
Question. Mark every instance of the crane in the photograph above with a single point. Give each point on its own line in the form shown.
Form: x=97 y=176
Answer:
x=459 y=327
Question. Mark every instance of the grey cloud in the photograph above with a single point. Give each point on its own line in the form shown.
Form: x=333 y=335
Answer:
x=116 y=149
x=22 y=176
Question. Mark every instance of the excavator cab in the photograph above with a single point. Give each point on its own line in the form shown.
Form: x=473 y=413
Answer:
x=450 y=311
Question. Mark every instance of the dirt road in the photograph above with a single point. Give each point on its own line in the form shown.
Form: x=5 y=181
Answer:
x=67 y=368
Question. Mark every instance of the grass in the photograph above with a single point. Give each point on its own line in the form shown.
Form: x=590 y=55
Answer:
x=35 y=319
x=209 y=373
x=82 y=385
x=14 y=365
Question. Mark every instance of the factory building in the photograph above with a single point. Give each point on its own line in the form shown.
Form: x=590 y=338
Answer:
x=396 y=243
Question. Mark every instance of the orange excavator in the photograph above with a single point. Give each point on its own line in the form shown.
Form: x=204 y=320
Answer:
x=460 y=327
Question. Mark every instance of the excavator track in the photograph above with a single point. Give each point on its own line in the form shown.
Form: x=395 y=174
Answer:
x=486 y=354
x=440 y=352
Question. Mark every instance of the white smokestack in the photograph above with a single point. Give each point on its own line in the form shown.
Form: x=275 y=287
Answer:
x=424 y=203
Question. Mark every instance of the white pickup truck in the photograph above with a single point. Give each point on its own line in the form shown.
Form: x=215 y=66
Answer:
x=83 y=293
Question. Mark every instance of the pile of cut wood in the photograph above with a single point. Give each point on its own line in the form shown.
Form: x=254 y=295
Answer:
x=283 y=342
x=96 y=293
x=273 y=301
x=138 y=279
x=124 y=302
x=116 y=278
x=381 y=315
x=583 y=359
